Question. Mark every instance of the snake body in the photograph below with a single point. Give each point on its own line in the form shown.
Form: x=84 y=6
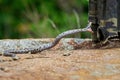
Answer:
x=12 y=52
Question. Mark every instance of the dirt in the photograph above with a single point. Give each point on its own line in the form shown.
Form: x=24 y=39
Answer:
x=80 y=64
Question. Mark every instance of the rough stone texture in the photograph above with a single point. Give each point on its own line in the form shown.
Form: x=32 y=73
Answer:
x=33 y=43
x=53 y=64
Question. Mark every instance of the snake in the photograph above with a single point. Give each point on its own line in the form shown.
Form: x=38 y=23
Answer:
x=12 y=52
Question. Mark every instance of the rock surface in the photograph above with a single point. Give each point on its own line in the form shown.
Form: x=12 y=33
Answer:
x=65 y=43
x=55 y=64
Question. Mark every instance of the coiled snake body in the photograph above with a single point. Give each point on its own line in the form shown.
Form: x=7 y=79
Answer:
x=12 y=52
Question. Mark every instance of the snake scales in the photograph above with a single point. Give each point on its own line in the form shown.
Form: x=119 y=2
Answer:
x=13 y=52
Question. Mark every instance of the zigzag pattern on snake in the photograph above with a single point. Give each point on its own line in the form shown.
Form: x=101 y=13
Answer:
x=12 y=52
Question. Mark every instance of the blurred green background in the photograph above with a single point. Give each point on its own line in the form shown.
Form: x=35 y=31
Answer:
x=41 y=18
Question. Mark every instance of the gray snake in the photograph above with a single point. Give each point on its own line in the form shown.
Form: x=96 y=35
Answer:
x=12 y=52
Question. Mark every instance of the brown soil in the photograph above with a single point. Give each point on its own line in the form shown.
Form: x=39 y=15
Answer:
x=82 y=64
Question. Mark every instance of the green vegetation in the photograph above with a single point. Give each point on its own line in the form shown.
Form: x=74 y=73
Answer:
x=41 y=18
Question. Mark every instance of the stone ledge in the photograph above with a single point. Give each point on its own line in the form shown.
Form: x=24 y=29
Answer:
x=65 y=43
